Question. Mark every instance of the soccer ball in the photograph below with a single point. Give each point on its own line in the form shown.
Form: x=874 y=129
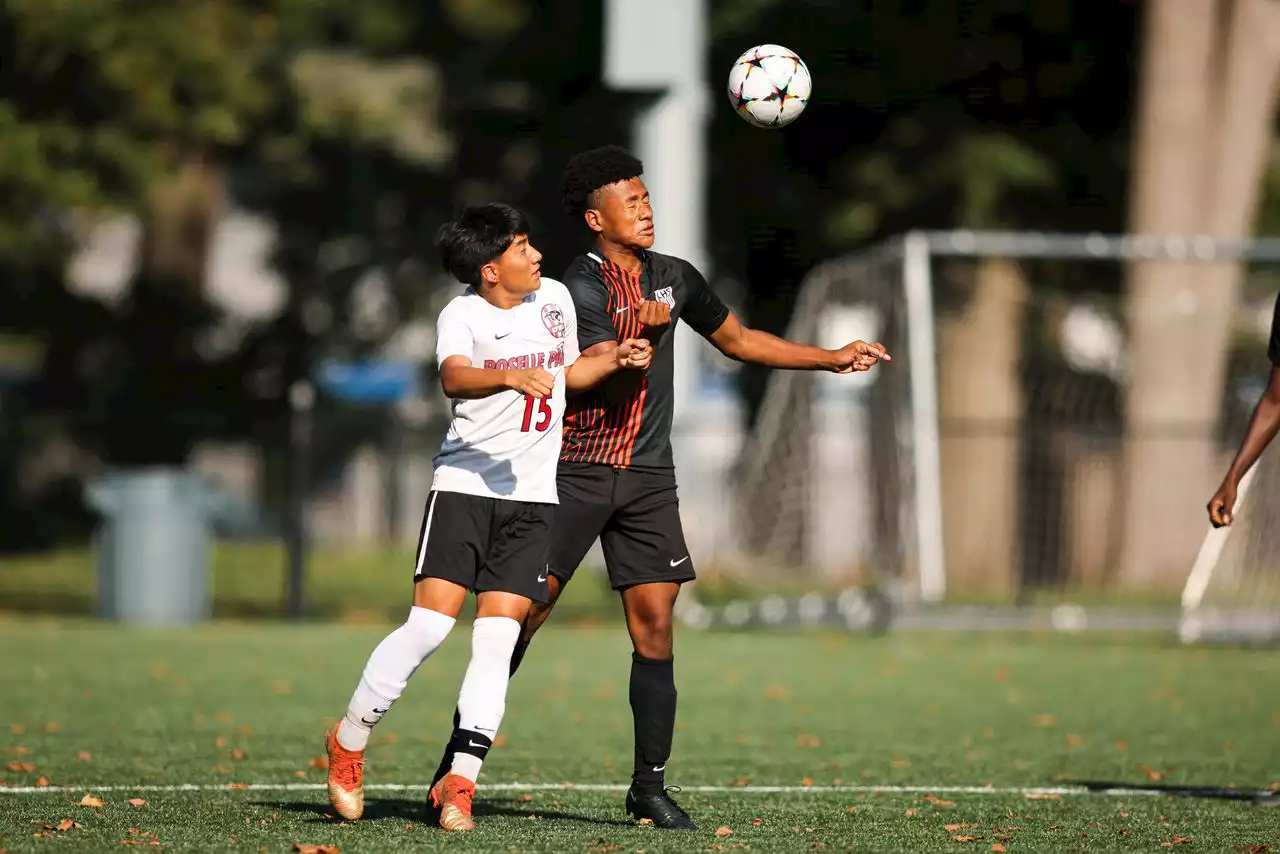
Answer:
x=769 y=86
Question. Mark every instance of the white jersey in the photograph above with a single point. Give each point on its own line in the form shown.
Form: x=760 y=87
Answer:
x=507 y=445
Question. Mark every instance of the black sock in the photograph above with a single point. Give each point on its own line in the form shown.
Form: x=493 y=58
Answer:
x=517 y=654
x=653 y=707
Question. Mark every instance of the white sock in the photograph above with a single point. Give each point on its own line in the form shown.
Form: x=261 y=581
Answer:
x=483 y=697
x=388 y=671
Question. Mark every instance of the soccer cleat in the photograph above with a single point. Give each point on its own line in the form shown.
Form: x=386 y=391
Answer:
x=452 y=796
x=346 y=777
x=658 y=808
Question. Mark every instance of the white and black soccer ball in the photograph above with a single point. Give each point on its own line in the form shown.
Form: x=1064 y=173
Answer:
x=769 y=86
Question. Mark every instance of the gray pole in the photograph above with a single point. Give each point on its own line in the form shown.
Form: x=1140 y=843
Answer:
x=301 y=401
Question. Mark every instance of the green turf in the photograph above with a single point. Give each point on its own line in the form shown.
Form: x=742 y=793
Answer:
x=231 y=703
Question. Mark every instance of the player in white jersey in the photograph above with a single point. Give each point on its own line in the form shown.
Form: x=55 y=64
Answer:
x=507 y=350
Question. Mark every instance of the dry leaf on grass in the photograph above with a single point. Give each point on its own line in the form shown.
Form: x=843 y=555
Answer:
x=911 y=812
x=320 y=763
x=957 y=826
x=998 y=847
x=966 y=838
x=137 y=802
x=1044 y=796
x=1255 y=849
x=1043 y=720
x=238 y=754
x=939 y=802
x=723 y=831
x=237 y=785
x=84 y=756
x=17 y=729
x=20 y=766
x=68 y=824
x=43 y=781
x=52 y=726
x=807 y=740
x=91 y=801
x=16 y=750
x=304 y=848
x=1152 y=774
x=1177 y=840
x=759 y=821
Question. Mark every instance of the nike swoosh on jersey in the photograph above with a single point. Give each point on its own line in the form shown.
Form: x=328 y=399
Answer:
x=680 y=561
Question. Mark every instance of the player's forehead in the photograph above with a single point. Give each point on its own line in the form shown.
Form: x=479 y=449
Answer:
x=518 y=243
x=627 y=190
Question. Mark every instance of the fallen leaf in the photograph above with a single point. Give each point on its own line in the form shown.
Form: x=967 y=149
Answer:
x=1254 y=849
x=20 y=766
x=1152 y=774
x=223 y=717
x=67 y=824
x=966 y=838
x=238 y=754
x=806 y=782
x=43 y=781
x=237 y=785
x=1124 y=815
x=939 y=802
x=902 y=763
x=84 y=756
x=723 y=831
x=17 y=729
x=852 y=809
x=777 y=692
x=320 y=763
x=220 y=742
x=807 y=740
x=957 y=826
x=913 y=812
x=16 y=750
x=301 y=775
x=91 y=801
x=1177 y=840
x=998 y=847
x=523 y=799
x=1122 y=745
x=1003 y=674
x=52 y=727
x=137 y=802
x=244 y=729
x=1073 y=740
x=742 y=782
x=759 y=821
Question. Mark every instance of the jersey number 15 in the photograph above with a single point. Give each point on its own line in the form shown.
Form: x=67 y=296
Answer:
x=544 y=414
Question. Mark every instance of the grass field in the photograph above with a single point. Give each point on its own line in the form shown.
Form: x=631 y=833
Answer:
x=835 y=724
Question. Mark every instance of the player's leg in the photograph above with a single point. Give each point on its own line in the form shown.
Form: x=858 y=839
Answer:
x=446 y=566
x=585 y=493
x=513 y=576
x=648 y=560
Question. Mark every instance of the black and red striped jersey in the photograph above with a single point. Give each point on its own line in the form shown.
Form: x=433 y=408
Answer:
x=626 y=420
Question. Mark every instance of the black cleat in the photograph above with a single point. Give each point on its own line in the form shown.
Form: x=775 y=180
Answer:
x=658 y=808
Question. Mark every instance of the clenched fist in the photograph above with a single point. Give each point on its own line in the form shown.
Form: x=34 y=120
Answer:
x=652 y=314
x=534 y=382
x=634 y=353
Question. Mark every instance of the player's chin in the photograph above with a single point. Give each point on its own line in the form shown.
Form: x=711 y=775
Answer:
x=644 y=239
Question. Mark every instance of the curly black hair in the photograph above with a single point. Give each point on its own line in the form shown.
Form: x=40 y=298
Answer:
x=587 y=172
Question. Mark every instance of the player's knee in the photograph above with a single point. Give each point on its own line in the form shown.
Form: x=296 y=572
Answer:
x=651 y=635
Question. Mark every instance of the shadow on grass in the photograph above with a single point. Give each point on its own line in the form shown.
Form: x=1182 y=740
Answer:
x=418 y=810
x=1222 y=793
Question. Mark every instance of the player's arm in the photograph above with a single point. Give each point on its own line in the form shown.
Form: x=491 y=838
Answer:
x=604 y=359
x=1263 y=426
x=743 y=344
x=711 y=318
x=462 y=381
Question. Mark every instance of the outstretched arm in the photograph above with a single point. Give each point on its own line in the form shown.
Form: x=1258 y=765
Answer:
x=603 y=360
x=744 y=344
x=1262 y=429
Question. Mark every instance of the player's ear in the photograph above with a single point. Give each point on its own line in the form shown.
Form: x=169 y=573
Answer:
x=489 y=274
x=592 y=216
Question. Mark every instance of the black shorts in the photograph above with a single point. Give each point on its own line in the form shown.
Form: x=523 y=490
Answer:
x=636 y=515
x=485 y=543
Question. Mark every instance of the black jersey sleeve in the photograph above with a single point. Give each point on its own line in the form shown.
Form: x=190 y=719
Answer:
x=703 y=310
x=1273 y=348
x=591 y=304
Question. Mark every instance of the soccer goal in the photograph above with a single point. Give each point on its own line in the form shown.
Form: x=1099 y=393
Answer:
x=1006 y=469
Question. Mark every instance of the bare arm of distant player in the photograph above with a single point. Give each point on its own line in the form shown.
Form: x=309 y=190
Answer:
x=461 y=381
x=1262 y=429
x=604 y=359
x=743 y=344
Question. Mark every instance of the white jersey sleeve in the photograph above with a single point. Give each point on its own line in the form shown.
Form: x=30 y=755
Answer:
x=453 y=334
x=507 y=445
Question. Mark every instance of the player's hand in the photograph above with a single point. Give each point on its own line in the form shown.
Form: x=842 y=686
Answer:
x=859 y=356
x=634 y=353
x=652 y=314
x=534 y=382
x=1222 y=504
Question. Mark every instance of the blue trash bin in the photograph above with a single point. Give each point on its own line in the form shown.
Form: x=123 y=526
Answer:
x=153 y=546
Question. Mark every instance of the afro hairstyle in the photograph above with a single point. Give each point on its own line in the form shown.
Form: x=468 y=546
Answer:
x=587 y=172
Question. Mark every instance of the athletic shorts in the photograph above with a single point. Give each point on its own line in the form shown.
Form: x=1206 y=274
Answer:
x=486 y=543
x=636 y=516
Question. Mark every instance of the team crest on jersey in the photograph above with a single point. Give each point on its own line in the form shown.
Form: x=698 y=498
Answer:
x=553 y=319
x=665 y=295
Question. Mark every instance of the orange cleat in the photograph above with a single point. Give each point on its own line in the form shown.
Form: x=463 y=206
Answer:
x=346 y=777
x=452 y=796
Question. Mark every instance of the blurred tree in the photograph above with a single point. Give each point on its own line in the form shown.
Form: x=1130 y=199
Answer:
x=1205 y=128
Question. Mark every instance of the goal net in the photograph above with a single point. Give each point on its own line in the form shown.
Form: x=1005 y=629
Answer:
x=1005 y=469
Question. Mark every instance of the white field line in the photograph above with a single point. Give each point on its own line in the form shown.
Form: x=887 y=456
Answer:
x=1025 y=791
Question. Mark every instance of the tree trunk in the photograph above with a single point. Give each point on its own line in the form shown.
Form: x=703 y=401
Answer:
x=979 y=410
x=1203 y=128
